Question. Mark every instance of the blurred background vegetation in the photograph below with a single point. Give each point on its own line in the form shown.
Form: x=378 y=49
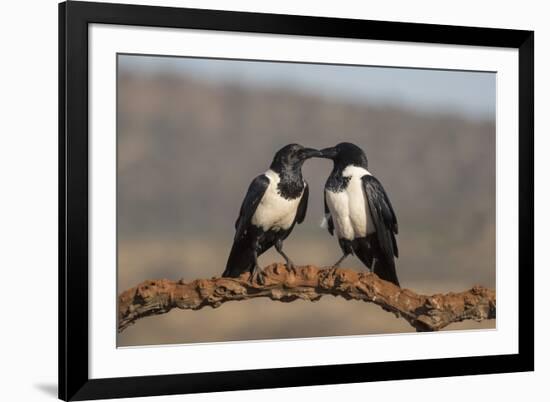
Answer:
x=193 y=133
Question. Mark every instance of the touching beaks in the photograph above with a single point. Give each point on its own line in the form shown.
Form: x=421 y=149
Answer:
x=310 y=153
x=328 y=153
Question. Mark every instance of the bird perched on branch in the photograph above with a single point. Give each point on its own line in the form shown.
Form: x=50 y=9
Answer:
x=274 y=203
x=358 y=209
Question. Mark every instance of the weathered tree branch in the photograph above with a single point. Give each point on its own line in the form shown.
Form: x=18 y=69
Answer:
x=424 y=313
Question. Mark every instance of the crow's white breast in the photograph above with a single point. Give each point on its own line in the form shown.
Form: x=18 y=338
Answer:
x=275 y=212
x=350 y=208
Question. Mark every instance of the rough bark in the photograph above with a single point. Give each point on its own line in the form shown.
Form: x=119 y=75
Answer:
x=423 y=312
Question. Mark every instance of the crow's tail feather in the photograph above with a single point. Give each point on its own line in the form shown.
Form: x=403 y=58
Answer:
x=385 y=269
x=241 y=260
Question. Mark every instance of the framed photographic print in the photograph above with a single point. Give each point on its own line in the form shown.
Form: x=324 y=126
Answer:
x=257 y=200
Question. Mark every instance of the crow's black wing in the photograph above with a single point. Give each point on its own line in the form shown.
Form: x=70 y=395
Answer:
x=382 y=214
x=385 y=223
x=302 y=206
x=254 y=195
x=328 y=217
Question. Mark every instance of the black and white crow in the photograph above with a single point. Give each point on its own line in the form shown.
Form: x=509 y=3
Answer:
x=358 y=209
x=274 y=203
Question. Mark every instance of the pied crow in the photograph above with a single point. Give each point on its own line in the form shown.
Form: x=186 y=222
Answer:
x=358 y=209
x=274 y=203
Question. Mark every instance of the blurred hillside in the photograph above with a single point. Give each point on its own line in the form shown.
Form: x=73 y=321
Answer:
x=187 y=150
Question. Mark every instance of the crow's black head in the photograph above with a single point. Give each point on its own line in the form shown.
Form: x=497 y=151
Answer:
x=345 y=154
x=292 y=156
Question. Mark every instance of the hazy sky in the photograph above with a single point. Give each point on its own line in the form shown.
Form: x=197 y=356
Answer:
x=471 y=94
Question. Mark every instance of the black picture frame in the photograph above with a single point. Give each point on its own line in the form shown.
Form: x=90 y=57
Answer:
x=74 y=381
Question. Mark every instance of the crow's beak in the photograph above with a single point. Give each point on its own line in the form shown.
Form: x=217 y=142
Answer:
x=328 y=153
x=310 y=153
